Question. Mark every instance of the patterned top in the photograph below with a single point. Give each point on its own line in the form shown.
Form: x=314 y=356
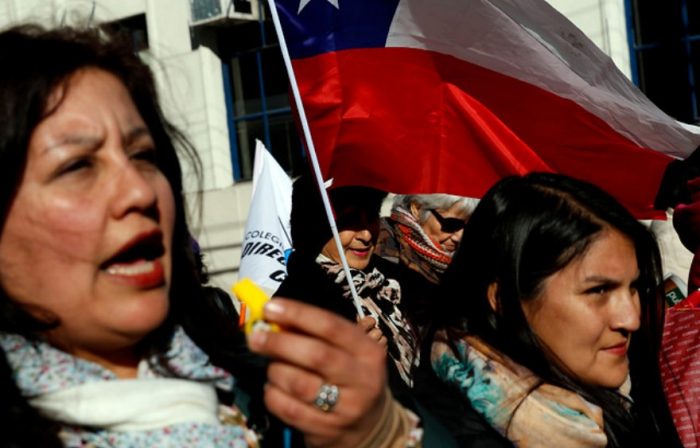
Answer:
x=380 y=298
x=41 y=369
x=402 y=240
x=514 y=401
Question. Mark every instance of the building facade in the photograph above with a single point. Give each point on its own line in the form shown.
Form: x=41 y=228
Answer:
x=222 y=80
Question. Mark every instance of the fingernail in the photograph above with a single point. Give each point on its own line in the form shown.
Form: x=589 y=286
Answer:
x=257 y=339
x=273 y=308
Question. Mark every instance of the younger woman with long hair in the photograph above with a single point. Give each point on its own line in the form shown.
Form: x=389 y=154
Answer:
x=552 y=317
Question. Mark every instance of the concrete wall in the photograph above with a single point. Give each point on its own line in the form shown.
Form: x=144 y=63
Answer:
x=192 y=91
x=220 y=229
x=603 y=21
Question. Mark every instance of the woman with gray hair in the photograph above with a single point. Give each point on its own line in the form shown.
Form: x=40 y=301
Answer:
x=423 y=232
x=420 y=237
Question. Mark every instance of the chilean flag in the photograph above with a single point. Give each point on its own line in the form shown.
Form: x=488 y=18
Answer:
x=423 y=96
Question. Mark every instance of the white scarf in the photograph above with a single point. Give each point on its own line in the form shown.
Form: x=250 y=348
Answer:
x=132 y=405
x=162 y=408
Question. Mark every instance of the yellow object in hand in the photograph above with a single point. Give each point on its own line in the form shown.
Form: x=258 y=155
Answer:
x=254 y=299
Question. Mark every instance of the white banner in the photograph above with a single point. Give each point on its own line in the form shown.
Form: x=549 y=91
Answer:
x=267 y=241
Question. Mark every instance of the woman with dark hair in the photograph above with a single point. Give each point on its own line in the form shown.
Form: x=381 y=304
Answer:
x=552 y=318
x=105 y=336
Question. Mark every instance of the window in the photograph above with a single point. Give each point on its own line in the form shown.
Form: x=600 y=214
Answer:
x=665 y=54
x=258 y=102
x=134 y=27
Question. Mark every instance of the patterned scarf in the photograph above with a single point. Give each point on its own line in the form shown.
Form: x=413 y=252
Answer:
x=502 y=392
x=380 y=297
x=41 y=371
x=402 y=238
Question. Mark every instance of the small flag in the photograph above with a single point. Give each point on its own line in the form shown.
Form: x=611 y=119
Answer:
x=266 y=240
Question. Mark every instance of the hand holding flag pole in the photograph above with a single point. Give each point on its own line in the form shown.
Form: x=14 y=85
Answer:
x=311 y=149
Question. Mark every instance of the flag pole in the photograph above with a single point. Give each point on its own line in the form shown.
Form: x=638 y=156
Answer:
x=312 y=154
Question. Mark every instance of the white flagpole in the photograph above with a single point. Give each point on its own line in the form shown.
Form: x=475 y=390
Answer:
x=312 y=153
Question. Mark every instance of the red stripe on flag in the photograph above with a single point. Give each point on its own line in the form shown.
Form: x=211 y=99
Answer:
x=415 y=121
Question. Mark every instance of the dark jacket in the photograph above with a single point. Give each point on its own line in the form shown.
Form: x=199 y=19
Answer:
x=307 y=282
x=417 y=295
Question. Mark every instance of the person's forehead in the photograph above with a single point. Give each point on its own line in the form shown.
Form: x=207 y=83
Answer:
x=455 y=210
x=79 y=104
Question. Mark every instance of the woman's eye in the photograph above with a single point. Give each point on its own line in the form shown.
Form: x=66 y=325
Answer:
x=598 y=290
x=634 y=288
x=149 y=156
x=75 y=165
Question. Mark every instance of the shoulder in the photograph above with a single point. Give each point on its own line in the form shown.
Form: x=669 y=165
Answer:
x=387 y=245
x=442 y=406
x=23 y=426
x=386 y=267
x=457 y=430
x=449 y=408
x=307 y=282
x=303 y=275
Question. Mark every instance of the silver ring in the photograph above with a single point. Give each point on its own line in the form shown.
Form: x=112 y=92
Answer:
x=327 y=397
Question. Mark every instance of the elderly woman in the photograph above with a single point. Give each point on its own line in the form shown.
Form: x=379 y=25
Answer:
x=105 y=337
x=420 y=237
x=424 y=230
x=552 y=313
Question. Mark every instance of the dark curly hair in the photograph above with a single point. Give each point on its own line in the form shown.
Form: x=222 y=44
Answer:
x=37 y=62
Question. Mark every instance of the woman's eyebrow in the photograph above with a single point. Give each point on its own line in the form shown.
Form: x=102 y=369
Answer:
x=92 y=140
x=135 y=134
x=601 y=279
x=76 y=140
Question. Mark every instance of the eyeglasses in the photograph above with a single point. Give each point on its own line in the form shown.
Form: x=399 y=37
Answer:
x=448 y=225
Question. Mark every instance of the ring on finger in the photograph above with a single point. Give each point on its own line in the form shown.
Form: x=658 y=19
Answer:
x=327 y=397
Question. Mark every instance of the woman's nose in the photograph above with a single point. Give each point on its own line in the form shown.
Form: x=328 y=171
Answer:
x=626 y=312
x=133 y=192
x=364 y=235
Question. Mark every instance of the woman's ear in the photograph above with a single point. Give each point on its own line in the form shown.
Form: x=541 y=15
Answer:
x=415 y=211
x=492 y=295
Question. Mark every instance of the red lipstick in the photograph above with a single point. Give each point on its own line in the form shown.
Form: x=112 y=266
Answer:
x=617 y=350
x=143 y=274
x=138 y=262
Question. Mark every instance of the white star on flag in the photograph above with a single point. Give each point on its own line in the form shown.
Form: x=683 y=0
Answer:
x=303 y=3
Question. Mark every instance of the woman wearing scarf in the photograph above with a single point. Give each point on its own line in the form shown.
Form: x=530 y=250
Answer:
x=420 y=237
x=107 y=338
x=551 y=317
x=315 y=274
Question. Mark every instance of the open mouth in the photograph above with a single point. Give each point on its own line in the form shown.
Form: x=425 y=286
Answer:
x=138 y=261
